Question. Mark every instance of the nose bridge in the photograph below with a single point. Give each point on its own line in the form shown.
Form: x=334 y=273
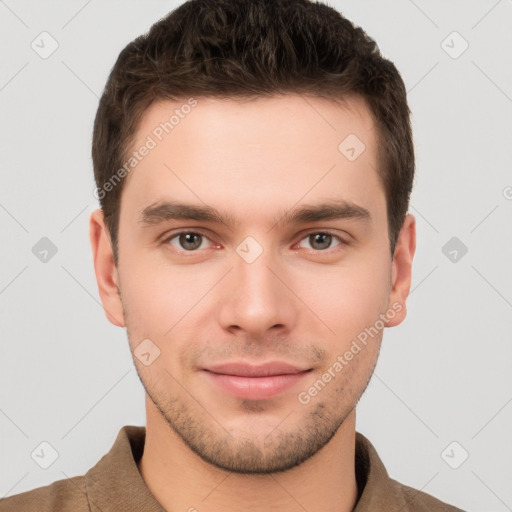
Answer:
x=255 y=279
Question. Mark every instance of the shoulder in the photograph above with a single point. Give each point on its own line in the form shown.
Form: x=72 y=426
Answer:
x=419 y=501
x=65 y=495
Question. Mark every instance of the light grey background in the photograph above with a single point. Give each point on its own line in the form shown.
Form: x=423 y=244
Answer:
x=67 y=376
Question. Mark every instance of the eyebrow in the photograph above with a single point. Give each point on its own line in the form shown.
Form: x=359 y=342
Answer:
x=172 y=210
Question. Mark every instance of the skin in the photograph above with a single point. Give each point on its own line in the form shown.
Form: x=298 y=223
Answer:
x=301 y=301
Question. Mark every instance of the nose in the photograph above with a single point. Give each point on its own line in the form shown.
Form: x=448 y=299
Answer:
x=256 y=298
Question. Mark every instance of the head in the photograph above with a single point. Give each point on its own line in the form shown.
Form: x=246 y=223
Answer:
x=254 y=162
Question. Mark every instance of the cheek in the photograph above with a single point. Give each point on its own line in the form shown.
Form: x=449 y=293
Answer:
x=348 y=298
x=165 y=303
x=159 y=295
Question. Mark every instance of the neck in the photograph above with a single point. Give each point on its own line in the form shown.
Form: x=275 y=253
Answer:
x=180 y=480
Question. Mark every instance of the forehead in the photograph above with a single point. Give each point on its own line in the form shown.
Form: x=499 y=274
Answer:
x=293 y=115
x=256 y=153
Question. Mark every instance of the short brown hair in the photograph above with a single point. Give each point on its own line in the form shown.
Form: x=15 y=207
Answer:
x=243 y=49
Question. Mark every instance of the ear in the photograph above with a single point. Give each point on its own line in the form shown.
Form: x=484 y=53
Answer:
x=105 y=269
x=401 y=270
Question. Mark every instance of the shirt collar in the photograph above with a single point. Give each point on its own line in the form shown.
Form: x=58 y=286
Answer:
x=115 y=482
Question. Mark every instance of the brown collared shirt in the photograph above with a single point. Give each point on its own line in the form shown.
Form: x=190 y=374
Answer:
x=115 y=484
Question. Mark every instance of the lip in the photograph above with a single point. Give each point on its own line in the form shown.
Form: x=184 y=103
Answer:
x=255 y=382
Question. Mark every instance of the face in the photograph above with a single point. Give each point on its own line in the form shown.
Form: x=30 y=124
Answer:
x=254 y=274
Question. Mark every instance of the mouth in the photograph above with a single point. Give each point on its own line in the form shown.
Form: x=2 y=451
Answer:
x=255 y=382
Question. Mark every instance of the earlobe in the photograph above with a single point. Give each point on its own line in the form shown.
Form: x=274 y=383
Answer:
x=105 y=269
x=401 y=271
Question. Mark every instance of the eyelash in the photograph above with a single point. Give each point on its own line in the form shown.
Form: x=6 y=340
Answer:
x=325 y=232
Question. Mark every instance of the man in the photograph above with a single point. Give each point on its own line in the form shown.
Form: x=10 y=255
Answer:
x=254 y=162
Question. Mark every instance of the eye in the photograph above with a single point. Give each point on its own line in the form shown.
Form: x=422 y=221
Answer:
x=320 y=241
x=192 y=241
x=188 y=240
